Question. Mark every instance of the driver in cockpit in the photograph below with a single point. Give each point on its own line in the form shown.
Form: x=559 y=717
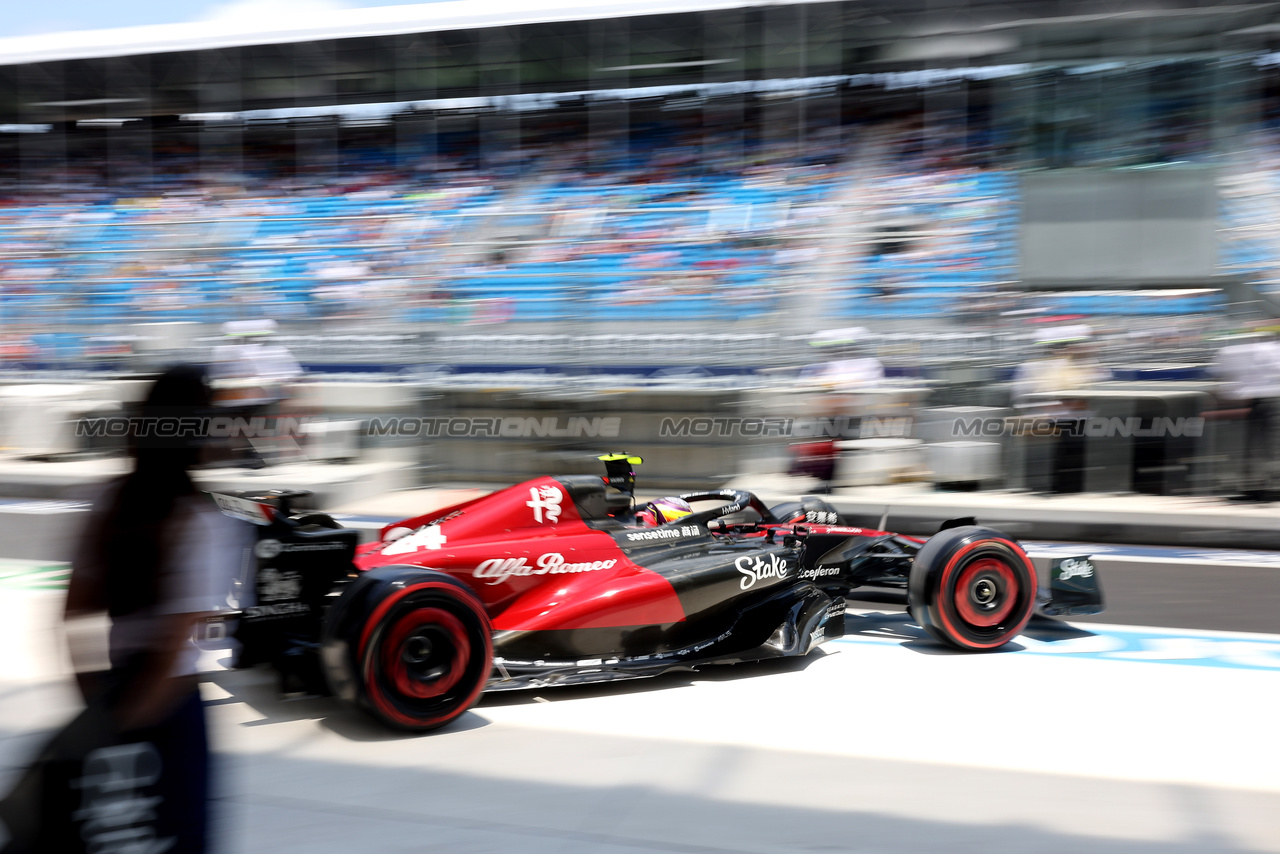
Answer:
x=621 y=475
x=662 y=511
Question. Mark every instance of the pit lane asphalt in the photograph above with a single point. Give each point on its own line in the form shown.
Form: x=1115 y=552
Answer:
x=1111 y=740
x=1214 y=589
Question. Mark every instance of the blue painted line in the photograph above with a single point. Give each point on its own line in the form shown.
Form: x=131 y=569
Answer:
x=1154 y=646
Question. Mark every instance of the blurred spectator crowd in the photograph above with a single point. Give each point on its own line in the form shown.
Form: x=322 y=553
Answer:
x=655 y=220
x=544 y=229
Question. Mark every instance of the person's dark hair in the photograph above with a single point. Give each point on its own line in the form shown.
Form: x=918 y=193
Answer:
x=135 y=534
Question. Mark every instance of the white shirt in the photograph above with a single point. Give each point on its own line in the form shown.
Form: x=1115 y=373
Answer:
x=196 y=581
x=847 y=374
x=267 y=366
x=1052 y=375
x=1249 y=370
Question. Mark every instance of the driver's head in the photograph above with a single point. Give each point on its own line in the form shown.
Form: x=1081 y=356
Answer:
x=663 y=510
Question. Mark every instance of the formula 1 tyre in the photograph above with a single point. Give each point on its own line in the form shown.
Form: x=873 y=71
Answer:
x=972 y=588
x=412 y=647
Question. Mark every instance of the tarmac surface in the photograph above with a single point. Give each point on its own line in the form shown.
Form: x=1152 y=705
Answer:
x=1112 y=739
x=1147 y=729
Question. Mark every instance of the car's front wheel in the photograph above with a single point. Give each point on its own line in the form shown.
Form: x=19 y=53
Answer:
x=972 y=588
x=410 y=646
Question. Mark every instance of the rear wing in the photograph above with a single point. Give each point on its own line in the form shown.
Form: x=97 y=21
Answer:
x=258 y=508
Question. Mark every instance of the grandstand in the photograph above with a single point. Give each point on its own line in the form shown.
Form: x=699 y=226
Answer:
x=471 y=245
x=664 y=170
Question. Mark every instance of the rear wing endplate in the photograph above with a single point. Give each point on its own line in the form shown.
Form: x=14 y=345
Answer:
x=244 y=509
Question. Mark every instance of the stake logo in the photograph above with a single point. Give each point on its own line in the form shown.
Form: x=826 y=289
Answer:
x=754 y=569
x=1075 y=568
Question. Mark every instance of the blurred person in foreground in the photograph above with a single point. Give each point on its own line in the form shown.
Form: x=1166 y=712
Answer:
x=151 y=559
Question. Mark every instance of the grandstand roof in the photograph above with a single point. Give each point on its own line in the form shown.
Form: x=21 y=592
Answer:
x=469 y=49
x=341 y=24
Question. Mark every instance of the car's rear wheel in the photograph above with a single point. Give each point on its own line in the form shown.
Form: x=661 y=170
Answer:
x=412 y=647
x=972 y=588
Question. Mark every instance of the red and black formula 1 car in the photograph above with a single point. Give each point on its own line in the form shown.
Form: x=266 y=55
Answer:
x=552 y=582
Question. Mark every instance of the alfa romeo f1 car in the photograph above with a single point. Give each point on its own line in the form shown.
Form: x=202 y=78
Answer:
x=552 y=582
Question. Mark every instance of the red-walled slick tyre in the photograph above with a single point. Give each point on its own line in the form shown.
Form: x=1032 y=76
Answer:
x=411 y=647
x=972 y=588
